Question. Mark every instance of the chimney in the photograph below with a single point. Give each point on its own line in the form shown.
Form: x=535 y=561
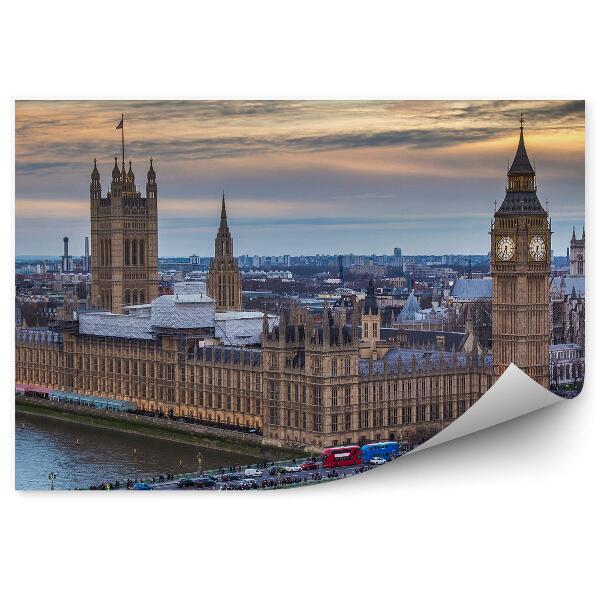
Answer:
x=86 y=262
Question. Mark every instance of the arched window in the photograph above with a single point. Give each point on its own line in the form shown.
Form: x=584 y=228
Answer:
x=580 y=265
x=127 y=252
x=135 y=296
x=127 y=297
x=134 y=252
x=142 y=252
x=109 y=257
x=142 y=297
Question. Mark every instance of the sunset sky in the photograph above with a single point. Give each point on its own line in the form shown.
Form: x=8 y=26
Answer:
x=300 y=177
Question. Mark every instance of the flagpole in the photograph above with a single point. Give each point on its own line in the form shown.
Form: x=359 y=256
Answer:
x=123 y=138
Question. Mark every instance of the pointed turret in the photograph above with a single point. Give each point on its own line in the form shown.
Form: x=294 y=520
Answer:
x=95 y=173
x=130 y=174
x=371 y=307
x=151 y=173
x=151 y=187
x=95 y=188
x=115 y=172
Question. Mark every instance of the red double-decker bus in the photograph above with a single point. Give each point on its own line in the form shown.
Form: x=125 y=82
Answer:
x=342 y=456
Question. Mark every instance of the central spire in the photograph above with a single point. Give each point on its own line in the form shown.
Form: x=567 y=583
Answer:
x=223 y=212
x=224 y=281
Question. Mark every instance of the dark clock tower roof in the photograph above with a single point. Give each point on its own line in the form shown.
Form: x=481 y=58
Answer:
x=521 y=164
x=521 y=190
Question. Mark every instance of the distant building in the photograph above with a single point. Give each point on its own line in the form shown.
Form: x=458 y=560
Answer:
x=66 y=263
x=577 y=255
x=567 y=310
x=567 y=364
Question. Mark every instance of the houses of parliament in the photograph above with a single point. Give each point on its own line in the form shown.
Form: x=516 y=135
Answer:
x=304 y=379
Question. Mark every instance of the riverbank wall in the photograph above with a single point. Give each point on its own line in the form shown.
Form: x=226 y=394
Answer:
x=195 y=435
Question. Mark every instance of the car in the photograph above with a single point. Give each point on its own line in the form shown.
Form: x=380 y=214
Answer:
x=292 y=469
x=230 y=476
x=377 y=460
x=142 y=486
x=252 y=473
x=308 y=465
x=204 y=482
x=185 y=483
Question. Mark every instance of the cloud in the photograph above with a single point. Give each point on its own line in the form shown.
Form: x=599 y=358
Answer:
x=299 y=166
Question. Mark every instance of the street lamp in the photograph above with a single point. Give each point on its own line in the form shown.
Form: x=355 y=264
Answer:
x=51 y=477
x=199 y=459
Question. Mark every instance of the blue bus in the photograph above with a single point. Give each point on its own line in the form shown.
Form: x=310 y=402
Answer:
x=381 y=449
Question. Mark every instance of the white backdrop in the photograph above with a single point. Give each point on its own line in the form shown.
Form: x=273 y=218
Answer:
x=509 y=512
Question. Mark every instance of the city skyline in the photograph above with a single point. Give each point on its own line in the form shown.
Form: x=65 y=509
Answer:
x=300 y=177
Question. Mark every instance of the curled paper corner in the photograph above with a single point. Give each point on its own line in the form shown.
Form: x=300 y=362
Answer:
x=513 y=395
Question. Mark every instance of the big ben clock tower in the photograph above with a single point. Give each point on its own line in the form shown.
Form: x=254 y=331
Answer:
x=520 y=265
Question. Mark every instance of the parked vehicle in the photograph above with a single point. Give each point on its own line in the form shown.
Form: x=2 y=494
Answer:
x=252 y=473
x=230 y=476
x=142 y=486
x=377 y=460
x=292 y=469
x=386 y=450
x=185 y=483
x=309 y=465
x=204 y=482
x=341 y=456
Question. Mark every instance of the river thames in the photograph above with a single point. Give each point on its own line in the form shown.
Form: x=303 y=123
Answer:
x=81 y=455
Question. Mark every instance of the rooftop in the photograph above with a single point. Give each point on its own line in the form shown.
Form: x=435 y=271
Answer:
x=472 y=289
x=432 y=359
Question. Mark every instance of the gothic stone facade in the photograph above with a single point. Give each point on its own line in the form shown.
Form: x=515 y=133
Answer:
x=124 y=234
x=307 y=386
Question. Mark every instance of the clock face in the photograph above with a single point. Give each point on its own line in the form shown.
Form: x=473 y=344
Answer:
x=505 y=248
x=537 y=248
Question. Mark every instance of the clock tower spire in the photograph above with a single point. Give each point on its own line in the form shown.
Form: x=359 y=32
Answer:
x=520 y=266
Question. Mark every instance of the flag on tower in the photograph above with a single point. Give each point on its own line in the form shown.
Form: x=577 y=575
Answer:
x=120 y=125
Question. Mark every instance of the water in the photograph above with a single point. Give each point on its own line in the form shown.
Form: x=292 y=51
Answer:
x=81 y=455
